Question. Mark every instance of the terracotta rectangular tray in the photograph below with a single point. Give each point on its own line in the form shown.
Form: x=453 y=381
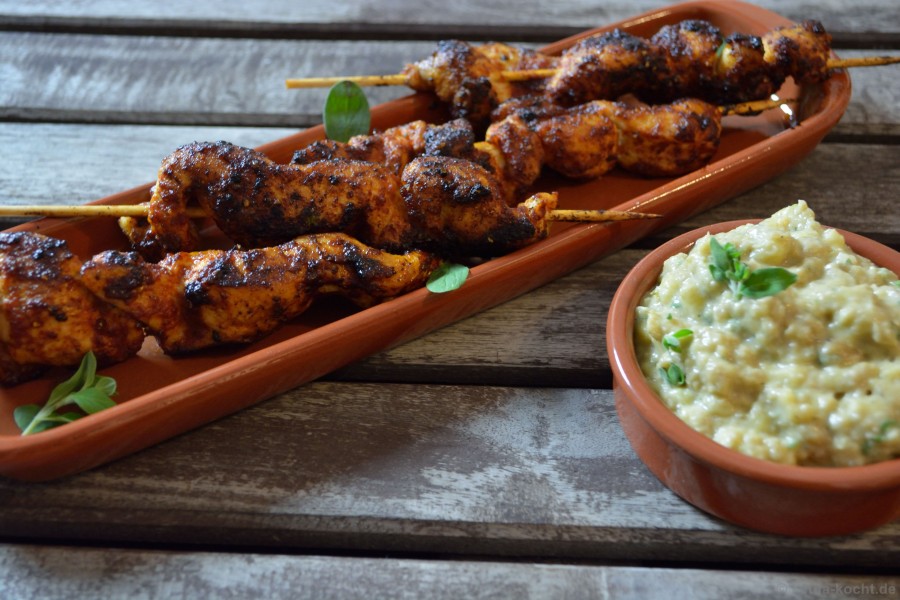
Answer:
x=160 y=396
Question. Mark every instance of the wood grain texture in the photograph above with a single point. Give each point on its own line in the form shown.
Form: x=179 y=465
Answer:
x=180 y=80
x=470 y=470
x=398 y=16
x=129 y=79
x=74 y=164
x=65 y=572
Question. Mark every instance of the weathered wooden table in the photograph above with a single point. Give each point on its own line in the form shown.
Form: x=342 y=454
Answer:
x=483 y=460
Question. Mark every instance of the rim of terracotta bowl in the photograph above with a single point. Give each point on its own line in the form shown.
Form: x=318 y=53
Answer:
x=628 y=374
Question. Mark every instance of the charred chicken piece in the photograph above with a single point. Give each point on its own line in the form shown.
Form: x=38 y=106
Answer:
x=395 y=147
x=588 y=140
x=192 y=300
x=47 y=317
x=604 y=66
x=457 y=208
x=258 y=202
x=469 y=78
x=664 y=141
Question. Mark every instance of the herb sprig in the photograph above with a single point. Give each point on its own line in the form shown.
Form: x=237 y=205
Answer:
x=726 y=265
x=85 y=389
x=674 y=342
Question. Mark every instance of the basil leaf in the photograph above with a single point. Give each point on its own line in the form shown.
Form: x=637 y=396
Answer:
x=672 y=341
x=105 y=384
x=91 y=400
x=88 y=367
x=68 y=417
x=346 y=112
x=720 y=260
x=766 y=282
x=24 y=415
x=674 y=375
x=44 y=425
x=447 y=277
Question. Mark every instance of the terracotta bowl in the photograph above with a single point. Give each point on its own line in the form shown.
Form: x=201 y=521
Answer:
x=750 y=492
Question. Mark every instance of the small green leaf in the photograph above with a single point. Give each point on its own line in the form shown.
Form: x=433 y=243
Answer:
x=766 y=282
x=674 y=374
x=44 y=425
x=24 y=415
x=88 y=367
x=720 y=50
x=672 y=341
x=68 y=417
x=447 y=277
x=346 y=112
x=105 y=384
x=721 y=263
x=92 y=400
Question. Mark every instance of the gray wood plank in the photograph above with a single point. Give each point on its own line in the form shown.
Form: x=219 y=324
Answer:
x=160 y=80
x=66 y=572
x=181 y=80
x=466 y=470
x=360 y=16
x=74 y=164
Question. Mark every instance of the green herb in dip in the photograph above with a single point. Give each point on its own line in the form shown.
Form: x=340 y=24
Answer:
x=808 y=374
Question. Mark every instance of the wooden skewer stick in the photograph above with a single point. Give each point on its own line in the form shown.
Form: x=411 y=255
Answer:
x=834 y=63
x=87 y=210
x=597 y=215
x=140 y=210
x=512 y=76
x=755 y=106
x=363 y=80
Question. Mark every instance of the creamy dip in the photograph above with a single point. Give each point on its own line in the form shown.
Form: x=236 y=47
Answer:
x=807 y=376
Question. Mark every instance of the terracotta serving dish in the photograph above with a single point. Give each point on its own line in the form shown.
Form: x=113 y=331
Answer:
x=161 y=396
x=770 y=497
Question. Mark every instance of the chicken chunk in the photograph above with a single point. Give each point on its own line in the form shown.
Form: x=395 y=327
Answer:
x=47 y=317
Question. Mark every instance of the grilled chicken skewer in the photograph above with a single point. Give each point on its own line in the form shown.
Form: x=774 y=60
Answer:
x=531 y=132
x=469 y=78
x=193 y=300
x=449 y=206
x=691 y=58
x=58 y=308
x=688 y=59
